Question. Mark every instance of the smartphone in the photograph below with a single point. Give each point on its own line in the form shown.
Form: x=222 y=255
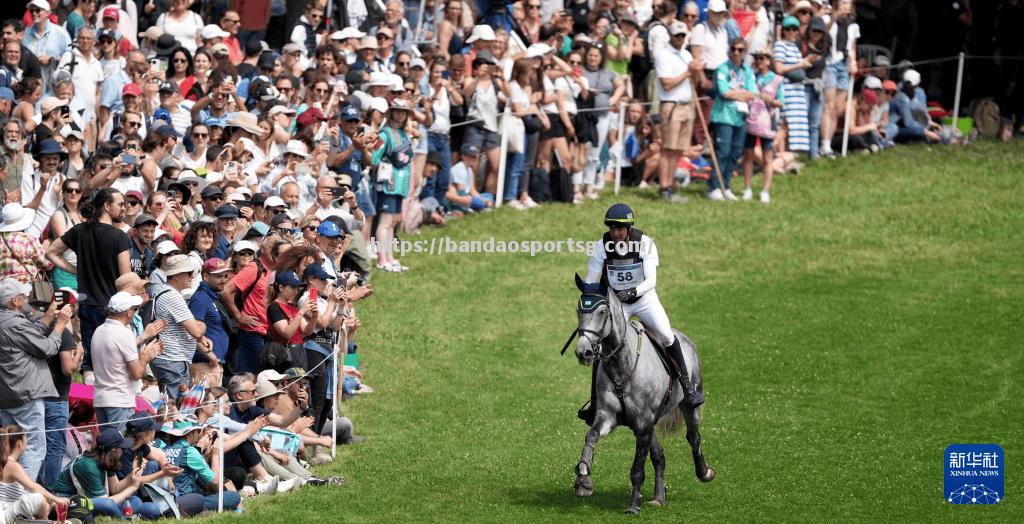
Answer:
x=60 y=297
x=154 y=64
x=313 y=294
x=128 y=159
x=444 y=74
x=303 y=168
x=65 y=111
x=231 y=168
x=337 y=191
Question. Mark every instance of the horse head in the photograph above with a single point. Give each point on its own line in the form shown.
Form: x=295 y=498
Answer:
x=597 y=321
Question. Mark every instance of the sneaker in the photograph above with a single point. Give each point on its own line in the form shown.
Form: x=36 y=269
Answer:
x=729 y=196
x=363 y=389
x=765 y=198
x=397 y=267
x=285 y=486
x=748 y=194
x=716 y=195
x=337 y=481
x=247 y=492
x=515 y=204
x=643 y=185
x=671 y=197
x=577 y=198
x=529 y=203
x=593 y=195
x=316 y=481
x=267 y=486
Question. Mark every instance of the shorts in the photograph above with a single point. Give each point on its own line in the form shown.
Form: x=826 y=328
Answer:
x=557 y=130
x=837 y=75
x=364 y=198
x=751 y=141
x=389 y=203
x=676 y=125
x=482 y=138
x=25 y=508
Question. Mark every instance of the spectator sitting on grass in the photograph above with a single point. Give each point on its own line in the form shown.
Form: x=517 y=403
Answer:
x=462 y=192
x=21 y=497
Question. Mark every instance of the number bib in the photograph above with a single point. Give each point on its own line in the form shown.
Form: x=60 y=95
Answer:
x=625 y=276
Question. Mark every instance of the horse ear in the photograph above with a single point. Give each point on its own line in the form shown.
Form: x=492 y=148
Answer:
x=579 y=282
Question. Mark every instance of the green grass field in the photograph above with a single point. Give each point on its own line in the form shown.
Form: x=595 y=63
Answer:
x=850 y=331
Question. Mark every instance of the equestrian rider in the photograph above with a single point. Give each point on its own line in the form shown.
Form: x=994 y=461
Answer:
x=627 y=262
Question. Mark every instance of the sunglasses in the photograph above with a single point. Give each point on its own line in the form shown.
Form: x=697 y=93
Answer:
x=575 y=62
x=230 y=20
x=691 y=17
x=738 y=49
x=180 y=61
x=288 y=230
x=245 y=254
x=277 y=211
x=134 y=203
x=200 y=135
x=311 y=228
x=130 y=123
x=533 y=6
x=73 y=190
x=191 y=183
x=383 y=37
x=34 y=10
x=893 y=93
x=216 y=198
x=402 y=64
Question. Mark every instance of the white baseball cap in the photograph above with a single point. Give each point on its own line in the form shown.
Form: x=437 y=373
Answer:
x=123 y=301
x=212 y=31
x=483 y=32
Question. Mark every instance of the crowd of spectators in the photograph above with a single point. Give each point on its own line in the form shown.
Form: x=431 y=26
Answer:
x=200 y=182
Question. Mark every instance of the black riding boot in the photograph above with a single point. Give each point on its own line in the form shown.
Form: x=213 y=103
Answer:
x=588 y=411
x=692 y=398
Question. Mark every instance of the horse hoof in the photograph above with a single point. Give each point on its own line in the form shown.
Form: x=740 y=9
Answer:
x=582 y=491
x=658 y=503
x=635 y=510
x=709 y=475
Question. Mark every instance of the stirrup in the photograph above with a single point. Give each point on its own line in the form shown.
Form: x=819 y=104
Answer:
x=587 y=413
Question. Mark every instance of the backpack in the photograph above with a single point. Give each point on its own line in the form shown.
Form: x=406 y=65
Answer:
x=986 y=117
x=244 y=295
x=540 y=185
x=79 y=507
x=148 y=310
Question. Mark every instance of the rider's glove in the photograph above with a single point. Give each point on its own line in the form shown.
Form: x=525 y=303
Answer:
x=626 y=295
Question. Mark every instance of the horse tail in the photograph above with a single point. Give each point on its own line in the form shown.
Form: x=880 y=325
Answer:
x=672 y=422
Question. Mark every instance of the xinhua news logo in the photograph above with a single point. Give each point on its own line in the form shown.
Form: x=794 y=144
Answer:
x=974 y=474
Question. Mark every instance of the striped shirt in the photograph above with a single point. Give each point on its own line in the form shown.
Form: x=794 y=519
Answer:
x=794 y=98
x=179 y=346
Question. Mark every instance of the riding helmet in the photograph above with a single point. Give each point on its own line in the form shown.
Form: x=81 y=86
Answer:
x=619 y=215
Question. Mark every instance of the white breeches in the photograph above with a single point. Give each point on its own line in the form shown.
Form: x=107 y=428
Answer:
x=652 y=315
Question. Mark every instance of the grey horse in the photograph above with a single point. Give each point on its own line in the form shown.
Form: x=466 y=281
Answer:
x=634 y=390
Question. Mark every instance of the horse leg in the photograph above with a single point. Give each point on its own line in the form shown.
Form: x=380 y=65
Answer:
x=636 y=474
x=584 y=486
x=692 y=416
x=658 y=459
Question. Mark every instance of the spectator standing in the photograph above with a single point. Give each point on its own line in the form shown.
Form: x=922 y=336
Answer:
x=675 y=68
x=843 y=33
x=734 y=88
x=25 y=346
x=244 y=297
x=21 y=256
x=790 y=63
x=141 y=234
x=394 y=156
x=769 y=98
x=254 y=16
x=185 y=26
x=62 y=366
x=607 y=89
x=183 y=330
x=86 y=72
x=815 y=48
x=205 y=307
x=103 y=252
x=47 y=40
x=118 y=364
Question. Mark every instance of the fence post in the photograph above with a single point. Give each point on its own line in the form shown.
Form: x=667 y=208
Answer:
x=848 y=117
x=622 y=146
x=220 y=454
x=959 y=85
x=502 y=154
x=419 y=22
x=341 y=346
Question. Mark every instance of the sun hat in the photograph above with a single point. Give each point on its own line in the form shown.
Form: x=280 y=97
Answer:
x=49 y=104
x=166 y=45
x=246 y=121
x=131 y=281
x=368 y=42
x=16 y=218
x=295 y=147
x=178 y=264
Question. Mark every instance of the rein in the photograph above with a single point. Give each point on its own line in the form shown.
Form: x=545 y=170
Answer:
x=590 y=304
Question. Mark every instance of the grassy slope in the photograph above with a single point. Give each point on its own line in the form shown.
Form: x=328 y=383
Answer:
x=851 y=330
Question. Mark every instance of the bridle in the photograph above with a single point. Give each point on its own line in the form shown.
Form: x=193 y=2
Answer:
x=589 y=303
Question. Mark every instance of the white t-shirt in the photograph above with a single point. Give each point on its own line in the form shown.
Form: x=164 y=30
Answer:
x=184 y=31
x=669 y=63
x=88 y=74
x=462 y=176
x=113 y=347
x=714 y=44
x=852 y=35
x=569 y=87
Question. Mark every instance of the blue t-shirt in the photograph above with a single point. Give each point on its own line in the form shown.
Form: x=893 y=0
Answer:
x=203 y=308
x=222 y=248
x=141 y=260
